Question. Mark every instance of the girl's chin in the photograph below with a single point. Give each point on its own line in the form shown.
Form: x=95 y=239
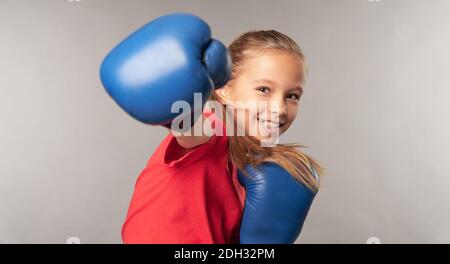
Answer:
x=268 y=141
x=269 y=137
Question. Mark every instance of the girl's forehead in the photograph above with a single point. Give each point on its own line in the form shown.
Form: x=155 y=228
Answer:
x=276 y=67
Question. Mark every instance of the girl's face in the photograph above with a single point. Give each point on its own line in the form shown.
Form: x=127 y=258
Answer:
x=274 y=83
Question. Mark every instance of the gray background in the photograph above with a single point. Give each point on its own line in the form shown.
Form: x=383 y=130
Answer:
x=374 y=113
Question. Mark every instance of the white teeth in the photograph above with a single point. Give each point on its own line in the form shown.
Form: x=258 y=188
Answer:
x=269 y=123
x=273 y=125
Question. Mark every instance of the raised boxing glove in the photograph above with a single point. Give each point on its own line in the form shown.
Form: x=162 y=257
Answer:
x=167 y=60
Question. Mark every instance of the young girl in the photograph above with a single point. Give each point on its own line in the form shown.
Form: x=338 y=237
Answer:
x=189 y=190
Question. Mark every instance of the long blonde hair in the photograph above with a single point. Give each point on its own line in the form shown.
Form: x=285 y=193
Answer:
x=247 y=150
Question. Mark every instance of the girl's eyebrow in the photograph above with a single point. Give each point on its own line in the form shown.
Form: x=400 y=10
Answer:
x=299 y=88
x=264 y=80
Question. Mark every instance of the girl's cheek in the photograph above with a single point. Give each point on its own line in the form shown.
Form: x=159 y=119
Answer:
x=292 y=113
x=248 y=122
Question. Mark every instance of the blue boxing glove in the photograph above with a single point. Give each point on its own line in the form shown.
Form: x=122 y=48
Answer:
x=167 y=60
x=276 y=205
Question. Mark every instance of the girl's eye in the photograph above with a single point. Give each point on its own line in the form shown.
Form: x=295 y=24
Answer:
x=294 y=96
x=263 y=89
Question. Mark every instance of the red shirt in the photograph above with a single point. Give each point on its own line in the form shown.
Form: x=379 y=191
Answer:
x=186 y=197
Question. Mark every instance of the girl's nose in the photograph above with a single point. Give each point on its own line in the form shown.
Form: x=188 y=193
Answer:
x=277 y=110
x=279 y=107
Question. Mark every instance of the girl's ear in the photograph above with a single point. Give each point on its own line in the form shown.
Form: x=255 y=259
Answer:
x=223 y=93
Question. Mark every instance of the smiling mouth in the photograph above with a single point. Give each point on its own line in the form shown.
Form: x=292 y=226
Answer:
x=269 y=123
